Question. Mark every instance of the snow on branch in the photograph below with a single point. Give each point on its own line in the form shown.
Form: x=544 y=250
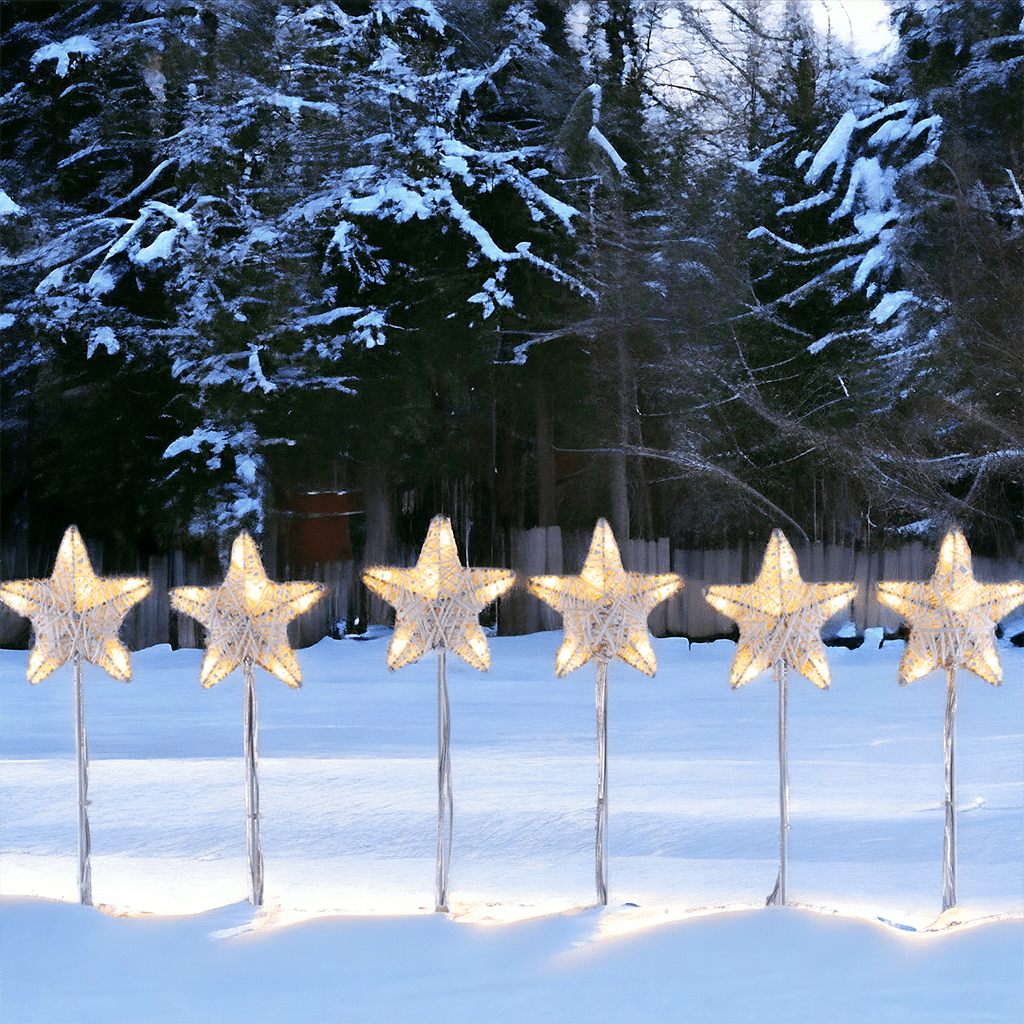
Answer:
x=139 y=189
x=8 y=207
x=62 y=52
x=599 y=139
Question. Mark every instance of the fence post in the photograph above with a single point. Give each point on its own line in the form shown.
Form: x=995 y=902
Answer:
x=184 y=574
x=549 y=618
x=155 y=614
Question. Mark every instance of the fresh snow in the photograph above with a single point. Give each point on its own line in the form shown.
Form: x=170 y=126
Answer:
x=348 y=801
x=159 y=249
x=323 y=319
x=296 y=104
x=206 y=434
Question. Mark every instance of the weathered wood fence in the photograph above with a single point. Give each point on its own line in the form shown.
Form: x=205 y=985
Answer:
x=540 y=551
x=553 y=551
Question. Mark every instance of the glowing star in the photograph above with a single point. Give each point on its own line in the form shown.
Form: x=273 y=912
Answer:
x=780 y=617
x=952 y=617
x=604 y=609
x=437 y=602
x=247 y=617
x=75 y=612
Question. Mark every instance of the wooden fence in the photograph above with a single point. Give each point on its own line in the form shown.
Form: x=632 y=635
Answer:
x=540 y=551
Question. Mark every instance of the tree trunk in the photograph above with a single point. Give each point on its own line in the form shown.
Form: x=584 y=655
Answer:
x=619 y=476
x=380 y=532
x=546 y=478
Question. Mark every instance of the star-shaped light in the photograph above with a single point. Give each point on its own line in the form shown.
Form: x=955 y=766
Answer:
x=952 y=617
x=437 y=602
x=780 y=617
x=604 y=609
x=247 y=616
x=75 y=612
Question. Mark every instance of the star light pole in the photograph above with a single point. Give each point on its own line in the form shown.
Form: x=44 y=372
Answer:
x=437 y=605
x=780 y=619
x=952 y=622
x=76 y=614
x=604 y=616
x=246 y=619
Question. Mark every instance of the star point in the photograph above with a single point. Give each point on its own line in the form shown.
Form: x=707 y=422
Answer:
x=247 y=617
x=780 y=617
x=437 y=602
x=75 y=611
x=604 y=609
x=952 y=617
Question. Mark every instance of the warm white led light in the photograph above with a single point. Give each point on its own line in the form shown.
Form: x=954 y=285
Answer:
x=247 y=616
x=952 y=617
x=604 y=609
x=75 y=612
x=437 y=602
x=780 y=617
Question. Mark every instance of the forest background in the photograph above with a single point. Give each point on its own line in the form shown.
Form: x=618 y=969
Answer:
x=696 y=267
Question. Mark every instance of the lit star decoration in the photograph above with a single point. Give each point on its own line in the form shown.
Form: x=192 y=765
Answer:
x=247 y=617
x=780 y=617
x=604 y=609
x=437 y=602
x=952 y=617
x=75 y=612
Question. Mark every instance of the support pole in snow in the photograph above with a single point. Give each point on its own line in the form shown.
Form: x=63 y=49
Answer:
x=444 y=789
x=252 y=790
x=601 y=842
x=949 y=837
x=82 y=749
x=778 y=895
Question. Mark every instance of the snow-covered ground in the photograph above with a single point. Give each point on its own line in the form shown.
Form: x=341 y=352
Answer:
x=348 y=797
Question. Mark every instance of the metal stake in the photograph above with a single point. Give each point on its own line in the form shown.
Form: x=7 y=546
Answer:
x=949 y=836
x=82 y=748
x=444 y=789
x=778 y=895
x=600 y=846
x=252 y=791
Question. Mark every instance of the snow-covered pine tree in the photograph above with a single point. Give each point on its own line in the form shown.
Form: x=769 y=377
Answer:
x=442 y=235
x=961 y=443
x=299 y=188
x=624 y=173
x=84 y=388
x=723 y=82
x=827 y=343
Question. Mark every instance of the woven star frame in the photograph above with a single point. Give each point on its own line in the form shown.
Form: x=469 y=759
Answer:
x=952 y=617
x=604 y=609
x=247 y=617
x=76 y=615
x=438 y=601
x=75 y=612
x=780 y=617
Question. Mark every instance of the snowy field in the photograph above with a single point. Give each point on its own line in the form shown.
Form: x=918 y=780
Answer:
x=348 y=798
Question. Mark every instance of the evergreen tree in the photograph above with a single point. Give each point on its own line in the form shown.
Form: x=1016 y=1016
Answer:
x=278 y=202
x=962 y=428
